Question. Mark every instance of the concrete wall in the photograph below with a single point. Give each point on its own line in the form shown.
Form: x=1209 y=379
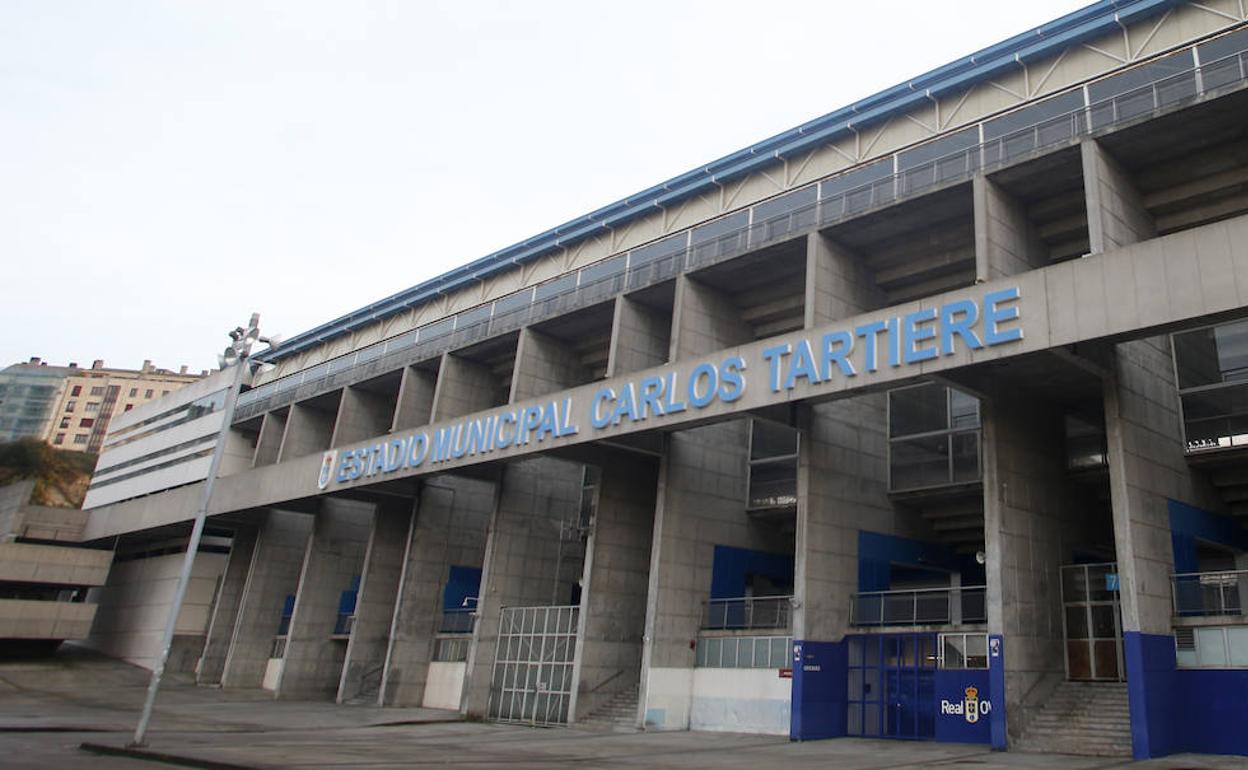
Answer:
x=273 y=575
x=704 y=320
x=225 y=606
x=415 y=404
x=529 y=561
x=741 y=700
x=450 y=530
x=613 y=602
x=1006 y=242
x=640 y=337
x=134 y=606
x=544 y=365
x=309 y=429
x=362 y=414
x=334 y=557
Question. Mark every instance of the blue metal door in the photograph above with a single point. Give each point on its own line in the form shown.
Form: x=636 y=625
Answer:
x=892 y=686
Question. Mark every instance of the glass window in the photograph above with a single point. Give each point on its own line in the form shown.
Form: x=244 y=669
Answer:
x=134 y=392
x=1214 y=355
x=147 y=393
x=1211 y=647
x=76 y=390
x=64 y=422
x=920 y=409
x=86 y=422
x=60 y=439
x=771 y=440
x=81 y=438
x=93 y=406
x=98 y=390
x=71 y=406
x=963 y=410
x=1237 y=644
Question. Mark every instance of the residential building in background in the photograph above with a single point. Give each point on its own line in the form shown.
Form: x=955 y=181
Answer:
x=923 y=420
x=70 y=407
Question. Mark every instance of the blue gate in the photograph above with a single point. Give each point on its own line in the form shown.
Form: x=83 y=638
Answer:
x=892 y=686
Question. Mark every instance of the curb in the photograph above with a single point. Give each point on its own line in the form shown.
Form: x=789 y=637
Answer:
x=161 y=756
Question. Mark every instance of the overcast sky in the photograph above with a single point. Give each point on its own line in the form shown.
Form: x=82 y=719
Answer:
x=168 y=167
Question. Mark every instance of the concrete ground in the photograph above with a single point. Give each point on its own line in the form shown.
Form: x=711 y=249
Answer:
x=48 y=708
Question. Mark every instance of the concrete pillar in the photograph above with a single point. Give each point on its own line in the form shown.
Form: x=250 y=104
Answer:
x=838 y=283
x=309 y=430
x=225 y=607
x=1034 y=520
x=641 y=337
x=704 y=321
x=273 y=575
x=334 y=557
x=362 y=414
x=449 y=530
x=615 y=587
x=463 y=387
x=533 y=557
x=842 y=488
x=1006 y=242
x=374 y=608
x=1116 y=213
x=544 y=365
x=701 y=504
x=272 y=428
x=415 y=407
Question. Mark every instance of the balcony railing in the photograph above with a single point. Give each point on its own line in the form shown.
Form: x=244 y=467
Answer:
x=457 y=621
x=832 y=199
x=344 y=624
x=919 y=607
x=1209 y=594
x=748 y=612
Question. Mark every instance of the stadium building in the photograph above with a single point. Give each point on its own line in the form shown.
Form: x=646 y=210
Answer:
x=923 y=420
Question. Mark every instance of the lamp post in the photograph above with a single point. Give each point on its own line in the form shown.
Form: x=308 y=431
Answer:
x=238 y=355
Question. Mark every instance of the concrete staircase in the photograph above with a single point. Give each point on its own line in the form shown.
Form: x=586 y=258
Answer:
x=1086 y=718
x=618 y=713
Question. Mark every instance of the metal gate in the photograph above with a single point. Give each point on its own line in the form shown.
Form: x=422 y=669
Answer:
x=892 y=686
x=1092 y=622
x=532 y=680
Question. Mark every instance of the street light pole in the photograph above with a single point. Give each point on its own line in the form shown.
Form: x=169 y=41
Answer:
x=237 y=354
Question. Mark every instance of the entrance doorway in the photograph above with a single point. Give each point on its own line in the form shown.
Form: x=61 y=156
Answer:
x=1092 y=622
x=892 y=686
x=532 y=678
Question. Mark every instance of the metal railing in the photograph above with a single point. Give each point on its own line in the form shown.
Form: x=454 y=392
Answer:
x=344 y=624
x=748 y=612
x=1204 y=594
x=919 y=607
x=457 y=621
x=664 y=259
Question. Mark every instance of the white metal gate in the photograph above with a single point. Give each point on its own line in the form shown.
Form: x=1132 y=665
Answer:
x=532 y=680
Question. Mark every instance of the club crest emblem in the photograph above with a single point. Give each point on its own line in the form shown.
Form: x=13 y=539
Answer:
x=327 y=468
x=972 y=704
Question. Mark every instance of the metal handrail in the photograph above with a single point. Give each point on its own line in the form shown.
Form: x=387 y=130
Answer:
x=748 y=612
x=888 y=189
x=952 y=605
x=457 y=621
x=1203 y=594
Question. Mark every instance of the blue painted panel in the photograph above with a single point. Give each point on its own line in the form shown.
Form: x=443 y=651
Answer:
x=731 y=568
x=1150 y=667
x=819 y=690
x=1212 y=711
x=461 y=583
x=962 y=716
x=996 y=688
x=1189 y=523
x=877 y=553
x=348 y=598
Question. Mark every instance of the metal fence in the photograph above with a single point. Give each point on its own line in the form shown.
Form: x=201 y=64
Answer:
x=532 y=678
x=1198 y=594
x=457 y=621
x=820 y=204
x=748 y=612
x=919 y=607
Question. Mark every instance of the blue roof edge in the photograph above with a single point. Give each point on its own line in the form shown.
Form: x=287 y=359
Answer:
x=1074 y=27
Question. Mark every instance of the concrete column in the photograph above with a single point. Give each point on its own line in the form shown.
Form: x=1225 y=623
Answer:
x=529 y=559
x=842 y=488
x=225 y=607
x=838 y=284
x=273 y=575
x=641 y=337
x=334 y=556
x=309 y=430
x=544 y=365
x=272 y=428
x=701 y=504
x=415 y=407
x=374 y=608
x=449 y=530
x=1006 y=242
x=1116 y=213
x=361 y=415
x=463 y=387
x=704 y=321
x=615 y=587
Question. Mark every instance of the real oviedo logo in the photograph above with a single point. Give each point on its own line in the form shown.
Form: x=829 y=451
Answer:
x=327 y=469
x=970 y=709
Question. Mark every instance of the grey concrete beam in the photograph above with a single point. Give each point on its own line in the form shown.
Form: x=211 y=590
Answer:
x=333 y=557
x=269 y=445
x=363 y=668
x=273 y=575
x=544 y=365
x=641 y=337
x=463 y=387
x=1116 y=213
x=309 y=430
x=415 y=407
x=225 y=606
x=704 y=320
x=1006 y=241
x=361 y=414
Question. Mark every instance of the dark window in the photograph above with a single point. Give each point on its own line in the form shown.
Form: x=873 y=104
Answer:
x=76 y=390
x=1223 y=61
x=86 y=422
x=81 y=438
x=857 y=190
x=98 y=390
x=147 y=394
x=134 y=392
x=946 y=158
x=60 y=439
x=782 y=216
x=128 y=407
